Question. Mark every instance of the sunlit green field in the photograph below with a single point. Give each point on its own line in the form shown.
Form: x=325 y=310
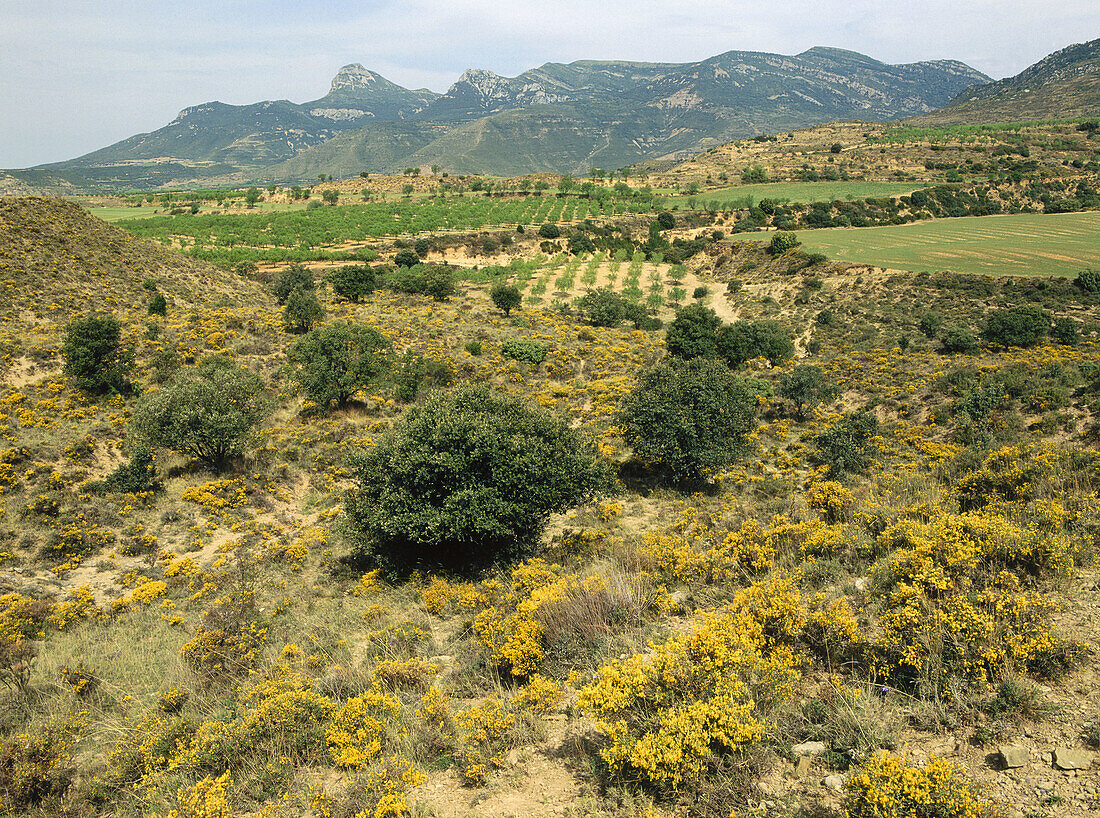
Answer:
x=1025 y=244
x=805 y=192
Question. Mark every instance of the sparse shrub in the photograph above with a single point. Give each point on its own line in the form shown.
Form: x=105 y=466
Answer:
x=685 y=420
x=230 y=638
x=206 y=413
x=957 y=340
x=1065 y=331
x=467 y=479
x=290 y=278
x=352 y=281
x=1020 y=326
x=506 y=297
x=806 y=386
x=524 y=349
x=742 y=341
x=36 y=767
x=406 y=258
x=930 y=324
x=473 y=347
x=158 y=305
x=302 y=311
x=783 y=241
x=701 y=291
x=332 y=363
x=580 y=243
x=94 y=356
x=889 y=785
x=846 y=446
x=691 y=334
x=603 y=307
x=137 y=476
x=1088 y=281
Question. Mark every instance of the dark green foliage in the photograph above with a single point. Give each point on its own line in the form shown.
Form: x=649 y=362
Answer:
x=1065 y=331
x=603 y=307
x=783 y=241
x=421 y=279
x=302 y=311
x=158 y=305
x=549 y=230
x=845 y=447
x=205 y=413
x=686 y=419
x=581 y=243
x=416 y=372
x=1088 y=280
x=330 y=196
x=692 y=333
x=742 y=341
x=506 y=297
x=930 y=324
x=406 y=258
x=352 y=281
x=957 y=340
x=292 y=277
x=94 y=356
x=974 y=413
x=524 y=349
x=806 y=386
x=422 y=247
x=138 y=475
x=702 y=291
x=1021 y=326
x=468 y=479
x=332 y=363
x=665 y=220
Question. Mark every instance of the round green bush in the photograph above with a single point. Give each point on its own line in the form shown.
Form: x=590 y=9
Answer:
x=465 y=480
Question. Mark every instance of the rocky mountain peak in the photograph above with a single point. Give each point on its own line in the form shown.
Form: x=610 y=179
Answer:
x=352 y=77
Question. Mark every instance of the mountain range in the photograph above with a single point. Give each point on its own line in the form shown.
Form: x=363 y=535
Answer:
x=562 y=118
x=1063 y=85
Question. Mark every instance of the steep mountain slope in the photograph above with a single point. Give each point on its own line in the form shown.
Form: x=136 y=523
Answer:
x=564 y=118
x=1063 y=85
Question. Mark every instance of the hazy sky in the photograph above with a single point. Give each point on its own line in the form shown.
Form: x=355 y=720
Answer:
x=76 y=75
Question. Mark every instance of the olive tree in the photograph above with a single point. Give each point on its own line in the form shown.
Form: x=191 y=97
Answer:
x=466 y=479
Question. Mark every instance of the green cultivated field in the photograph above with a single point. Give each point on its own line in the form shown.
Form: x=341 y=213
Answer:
x=805 y=192
x=1026 y=244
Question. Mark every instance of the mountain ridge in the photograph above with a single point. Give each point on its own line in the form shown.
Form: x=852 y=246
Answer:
x=613 y=112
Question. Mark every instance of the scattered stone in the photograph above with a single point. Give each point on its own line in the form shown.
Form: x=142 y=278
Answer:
x=1045 y=785
x=945 y=748
x=834 y=782
x=1065 y=759
x=802 y=766
x=1013 y=755
x=809 y=748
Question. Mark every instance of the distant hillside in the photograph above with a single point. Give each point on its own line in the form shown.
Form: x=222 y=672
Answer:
x=1064 y=85
x=563 y=118
x=55 y=257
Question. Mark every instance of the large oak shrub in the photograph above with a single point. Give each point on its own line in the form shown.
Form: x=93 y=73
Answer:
x=465 y=480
